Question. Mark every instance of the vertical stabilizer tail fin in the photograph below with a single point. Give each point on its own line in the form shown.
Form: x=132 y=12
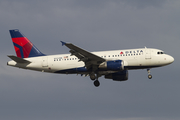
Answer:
x=23 y=47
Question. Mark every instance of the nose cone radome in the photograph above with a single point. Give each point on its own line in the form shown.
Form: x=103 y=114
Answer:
x=171 y=59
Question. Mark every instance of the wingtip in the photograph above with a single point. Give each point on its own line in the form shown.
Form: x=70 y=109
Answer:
x=63 y=43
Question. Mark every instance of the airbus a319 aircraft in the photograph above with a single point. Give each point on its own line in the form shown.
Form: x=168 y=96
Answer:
x=110 y=64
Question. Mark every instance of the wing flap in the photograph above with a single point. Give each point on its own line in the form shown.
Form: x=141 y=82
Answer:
x=91 y=60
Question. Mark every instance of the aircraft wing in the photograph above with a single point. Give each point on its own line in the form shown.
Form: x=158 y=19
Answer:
x=91 y=60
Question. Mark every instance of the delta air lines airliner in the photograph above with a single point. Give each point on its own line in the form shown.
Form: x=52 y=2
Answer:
x=110 y=64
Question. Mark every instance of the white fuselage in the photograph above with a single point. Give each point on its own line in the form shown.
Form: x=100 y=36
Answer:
x=65 y=63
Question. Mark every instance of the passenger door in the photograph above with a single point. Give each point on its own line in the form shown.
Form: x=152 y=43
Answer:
x=147 y=53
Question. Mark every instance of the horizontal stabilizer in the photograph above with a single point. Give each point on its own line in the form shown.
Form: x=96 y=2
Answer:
x=18 y=60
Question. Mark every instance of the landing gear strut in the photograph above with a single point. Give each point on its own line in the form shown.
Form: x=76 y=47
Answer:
x=149 y=74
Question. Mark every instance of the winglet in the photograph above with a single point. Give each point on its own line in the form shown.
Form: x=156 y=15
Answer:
x=63 y=43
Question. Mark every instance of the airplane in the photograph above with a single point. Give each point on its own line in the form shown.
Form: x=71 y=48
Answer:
x=112 y=64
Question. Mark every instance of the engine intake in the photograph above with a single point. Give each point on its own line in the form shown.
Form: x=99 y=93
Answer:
x=112 y=65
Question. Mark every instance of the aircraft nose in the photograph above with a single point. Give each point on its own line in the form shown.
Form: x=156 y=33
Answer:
x=171 y=59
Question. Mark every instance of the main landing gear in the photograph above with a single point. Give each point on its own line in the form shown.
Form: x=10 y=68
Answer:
x=149 y=74
x=92 y=76
x=95 y=79
x=96 y=83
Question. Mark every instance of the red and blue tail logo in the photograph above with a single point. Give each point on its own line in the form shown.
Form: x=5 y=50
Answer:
x=23 y=47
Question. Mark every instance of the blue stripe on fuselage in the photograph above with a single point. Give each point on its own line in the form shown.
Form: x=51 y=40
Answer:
x=84 y=70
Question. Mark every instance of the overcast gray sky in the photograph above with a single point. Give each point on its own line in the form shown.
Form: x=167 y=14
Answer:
x=95 y=26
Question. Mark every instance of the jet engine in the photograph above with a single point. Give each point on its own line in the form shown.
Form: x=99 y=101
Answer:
x=118 y=76
x=112 y=65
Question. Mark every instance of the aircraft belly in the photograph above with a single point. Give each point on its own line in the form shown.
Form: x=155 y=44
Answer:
x=67 y=65
x=132 y=62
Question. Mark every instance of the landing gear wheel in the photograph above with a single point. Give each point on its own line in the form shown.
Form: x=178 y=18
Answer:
x=96 y=83
x=92 y=76
x=150 y=76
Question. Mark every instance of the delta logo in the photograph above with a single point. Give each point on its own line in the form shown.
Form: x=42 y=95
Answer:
x=121 y=53
x=131 y=52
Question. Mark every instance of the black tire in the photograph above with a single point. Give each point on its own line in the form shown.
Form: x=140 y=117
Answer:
x=92 y=76
x=96 y=83
x=150 y=76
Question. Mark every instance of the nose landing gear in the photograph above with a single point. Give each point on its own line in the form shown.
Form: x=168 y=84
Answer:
x=149 y=74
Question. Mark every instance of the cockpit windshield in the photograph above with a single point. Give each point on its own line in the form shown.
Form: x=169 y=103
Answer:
x=160 y=52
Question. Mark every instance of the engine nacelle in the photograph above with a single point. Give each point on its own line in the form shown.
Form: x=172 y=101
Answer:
x=119 y=76
x=112 y=65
